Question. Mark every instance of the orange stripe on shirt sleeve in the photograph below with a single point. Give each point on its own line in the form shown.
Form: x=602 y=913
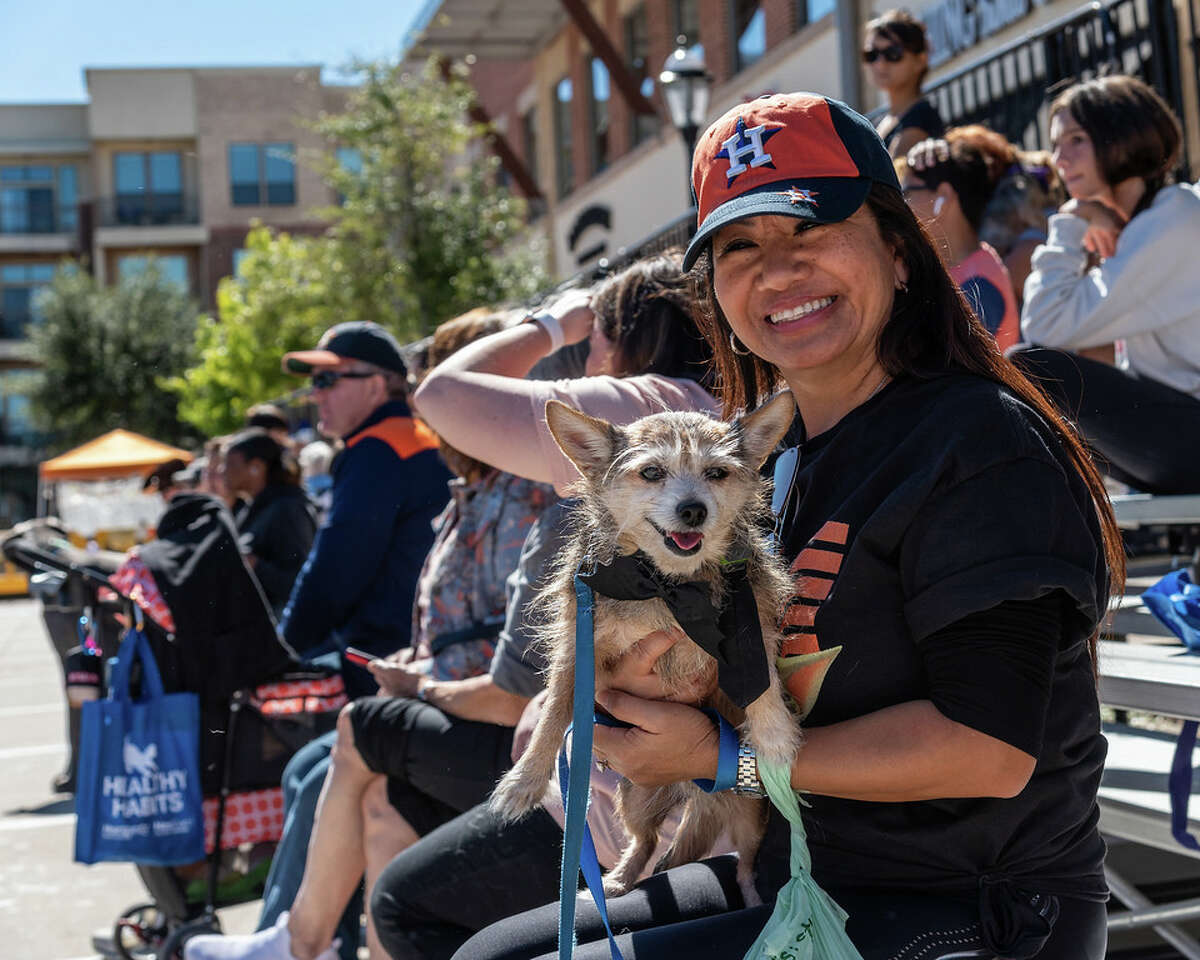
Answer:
x=813 y=558
x=813 y=588
x=834 y=532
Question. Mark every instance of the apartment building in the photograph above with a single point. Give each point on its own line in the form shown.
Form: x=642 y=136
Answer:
x=172 y=163
x=586 y=134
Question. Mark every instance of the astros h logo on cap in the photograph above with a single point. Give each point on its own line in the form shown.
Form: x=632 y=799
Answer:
x=796 y=154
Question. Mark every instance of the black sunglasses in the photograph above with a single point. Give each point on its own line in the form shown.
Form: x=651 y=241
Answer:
x=328 y=378
x=893 y=54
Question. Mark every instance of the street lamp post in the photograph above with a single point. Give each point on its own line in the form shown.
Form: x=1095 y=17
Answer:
x=685 y=82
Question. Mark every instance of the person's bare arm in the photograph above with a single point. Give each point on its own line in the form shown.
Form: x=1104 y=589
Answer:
x=906 y=752
x=476 y=698
x=478 y=401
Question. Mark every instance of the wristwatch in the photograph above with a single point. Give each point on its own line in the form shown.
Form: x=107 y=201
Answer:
x=748 y=782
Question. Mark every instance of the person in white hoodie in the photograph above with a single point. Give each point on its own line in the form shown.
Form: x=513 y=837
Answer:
x=1112 y=303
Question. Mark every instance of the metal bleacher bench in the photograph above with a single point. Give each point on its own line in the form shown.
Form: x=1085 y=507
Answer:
x=1160 y=678
x=1134 y=806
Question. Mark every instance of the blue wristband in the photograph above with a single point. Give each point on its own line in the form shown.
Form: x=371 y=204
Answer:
x=727 y=757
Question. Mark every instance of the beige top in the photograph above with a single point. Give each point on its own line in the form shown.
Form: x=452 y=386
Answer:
x=619 y=400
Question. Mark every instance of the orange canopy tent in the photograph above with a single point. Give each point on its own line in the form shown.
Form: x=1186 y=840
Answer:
x=118 y=453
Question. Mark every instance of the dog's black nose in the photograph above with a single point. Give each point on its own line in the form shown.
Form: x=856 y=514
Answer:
x=692 y=512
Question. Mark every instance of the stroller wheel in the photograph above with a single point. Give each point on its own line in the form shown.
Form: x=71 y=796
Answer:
x=172 y=948
x=139 y=932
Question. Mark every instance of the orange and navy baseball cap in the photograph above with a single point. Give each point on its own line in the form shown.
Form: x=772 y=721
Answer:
x=796 y=154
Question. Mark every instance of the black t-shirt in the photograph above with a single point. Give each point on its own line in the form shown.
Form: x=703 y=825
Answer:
x=923 y=115
x=935 y=500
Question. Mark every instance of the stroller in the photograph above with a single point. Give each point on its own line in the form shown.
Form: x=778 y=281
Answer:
x=211 y=633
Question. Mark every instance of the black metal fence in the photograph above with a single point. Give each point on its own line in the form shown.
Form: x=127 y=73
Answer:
x=1011 y=89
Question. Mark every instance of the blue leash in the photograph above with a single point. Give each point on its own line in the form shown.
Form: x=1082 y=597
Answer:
x=579 y=849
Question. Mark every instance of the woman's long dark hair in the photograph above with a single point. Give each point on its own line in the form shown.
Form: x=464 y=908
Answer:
x=647 y=310
x=931 y=331
x=254 y=443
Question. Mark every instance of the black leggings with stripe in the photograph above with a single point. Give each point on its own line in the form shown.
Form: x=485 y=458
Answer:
x=884 y=926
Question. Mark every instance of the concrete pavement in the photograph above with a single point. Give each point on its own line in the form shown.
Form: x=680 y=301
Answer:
x=49 y=906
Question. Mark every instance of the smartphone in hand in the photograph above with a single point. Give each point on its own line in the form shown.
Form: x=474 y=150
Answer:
x=361 y=657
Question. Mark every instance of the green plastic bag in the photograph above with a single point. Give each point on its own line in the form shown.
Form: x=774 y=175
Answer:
x=806 y=924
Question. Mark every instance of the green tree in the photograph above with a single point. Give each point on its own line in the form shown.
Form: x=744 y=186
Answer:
x=423 y=234
x=105 y=352
x=289 y=290
x=426 y=193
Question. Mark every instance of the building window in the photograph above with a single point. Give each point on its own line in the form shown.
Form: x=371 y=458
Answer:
x=262 y=174
x=37 y=199
x=810 y=11
x=19 y=286
x=172 y=268
x=16 y=415
x=642 y=126
x=564 y=162
x=239 y=257
x=598 y=110
x=529 y=141
x=687 y=25
x=750 y=29
x=148 y=188
x=68 y=197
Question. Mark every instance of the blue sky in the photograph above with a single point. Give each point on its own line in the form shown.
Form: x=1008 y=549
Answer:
x=56 y=39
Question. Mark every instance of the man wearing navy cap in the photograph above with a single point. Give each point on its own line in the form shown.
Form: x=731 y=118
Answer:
x=356 y=588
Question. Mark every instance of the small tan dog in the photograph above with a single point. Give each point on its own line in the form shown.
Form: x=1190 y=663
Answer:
x=684 y=491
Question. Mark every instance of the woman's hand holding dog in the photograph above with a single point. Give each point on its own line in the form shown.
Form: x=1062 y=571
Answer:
x=634 y=672
x=668 y=742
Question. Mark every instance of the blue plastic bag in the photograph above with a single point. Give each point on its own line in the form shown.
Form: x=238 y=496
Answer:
x=1175 y=600
x=138 y=797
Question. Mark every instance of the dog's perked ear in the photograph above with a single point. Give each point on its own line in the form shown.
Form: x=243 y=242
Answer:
x=763 y=428
x=588 y=442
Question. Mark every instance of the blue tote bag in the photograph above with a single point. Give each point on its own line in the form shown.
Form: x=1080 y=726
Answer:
x=138 y=796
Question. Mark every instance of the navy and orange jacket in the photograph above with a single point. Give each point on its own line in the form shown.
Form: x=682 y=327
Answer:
x=356 y=588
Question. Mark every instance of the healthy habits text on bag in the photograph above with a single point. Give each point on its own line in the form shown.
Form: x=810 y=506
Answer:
x=139 y=786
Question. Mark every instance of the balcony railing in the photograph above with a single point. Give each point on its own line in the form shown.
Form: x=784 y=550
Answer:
x=148 y=210
x=45 y=223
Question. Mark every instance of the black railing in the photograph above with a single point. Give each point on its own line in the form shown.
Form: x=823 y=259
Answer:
x=148 y=210
x=1011 y=88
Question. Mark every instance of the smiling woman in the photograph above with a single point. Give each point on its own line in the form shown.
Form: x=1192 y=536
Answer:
x=951 y=543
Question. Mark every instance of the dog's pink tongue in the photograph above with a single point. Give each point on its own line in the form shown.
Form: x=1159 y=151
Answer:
x=685 y=541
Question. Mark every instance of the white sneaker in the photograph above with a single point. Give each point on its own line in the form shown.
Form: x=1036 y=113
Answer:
x=272 y=944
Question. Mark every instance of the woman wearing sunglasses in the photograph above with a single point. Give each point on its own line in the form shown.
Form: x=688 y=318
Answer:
x=897 y=57
x=952 y=545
